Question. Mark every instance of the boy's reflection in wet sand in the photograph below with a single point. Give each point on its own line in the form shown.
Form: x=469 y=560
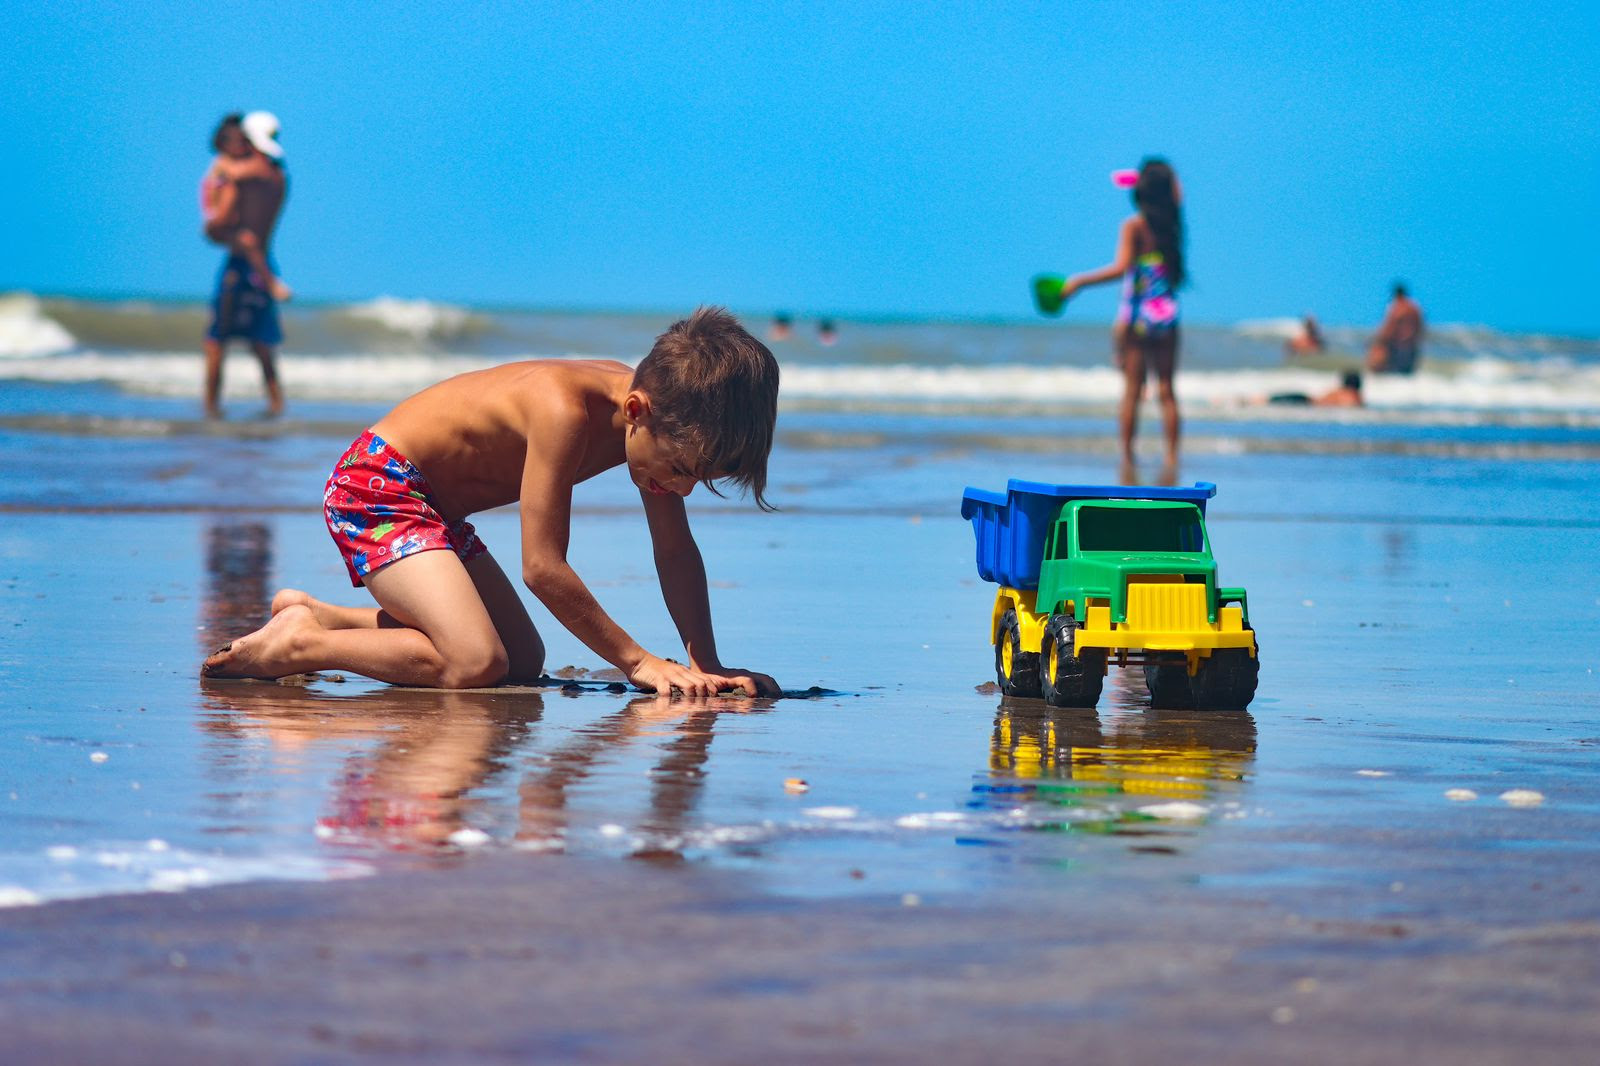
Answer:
x=438 y=749
x=416 y=787
x=676 y=778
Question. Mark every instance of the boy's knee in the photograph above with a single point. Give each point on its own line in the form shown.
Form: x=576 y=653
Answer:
x=478 y=669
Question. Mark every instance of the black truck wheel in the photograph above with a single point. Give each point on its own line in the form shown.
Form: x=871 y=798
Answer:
x=1169 y=685
x=1226 y=680
x=1065 y=679
x=1016 y=671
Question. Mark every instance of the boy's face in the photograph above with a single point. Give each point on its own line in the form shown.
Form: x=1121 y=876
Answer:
x=657 y=465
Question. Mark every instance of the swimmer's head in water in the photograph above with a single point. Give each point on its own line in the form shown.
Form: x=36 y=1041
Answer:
x=1351 y=380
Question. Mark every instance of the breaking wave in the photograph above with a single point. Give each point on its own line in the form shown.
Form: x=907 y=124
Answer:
x=1482 y=385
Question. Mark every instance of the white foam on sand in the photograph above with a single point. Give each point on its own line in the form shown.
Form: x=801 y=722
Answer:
x=66 y=871
x=1176 y=811
x=932 y=820
x=1522 y=797
x=25 y=330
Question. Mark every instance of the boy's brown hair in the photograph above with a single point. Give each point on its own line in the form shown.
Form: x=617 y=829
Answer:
x=713 y=390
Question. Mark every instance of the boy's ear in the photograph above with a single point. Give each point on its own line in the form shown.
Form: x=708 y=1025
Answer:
x=636 y=408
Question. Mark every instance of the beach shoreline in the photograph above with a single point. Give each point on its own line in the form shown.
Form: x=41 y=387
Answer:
x=594 y=876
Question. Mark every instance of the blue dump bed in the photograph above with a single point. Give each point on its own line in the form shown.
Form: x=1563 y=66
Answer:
x=1011 y=526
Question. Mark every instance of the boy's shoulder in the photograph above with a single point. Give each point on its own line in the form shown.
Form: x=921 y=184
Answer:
x=556 y=378
x=540 y=390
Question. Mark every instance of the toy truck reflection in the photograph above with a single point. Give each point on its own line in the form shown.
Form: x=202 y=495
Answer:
x=1094 y=575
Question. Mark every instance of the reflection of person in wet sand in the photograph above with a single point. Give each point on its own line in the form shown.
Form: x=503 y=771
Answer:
x=1398 y=343
x=238 y=557
x=675 y=782
x=417 y=785
x=241 y=196
x=438 y=749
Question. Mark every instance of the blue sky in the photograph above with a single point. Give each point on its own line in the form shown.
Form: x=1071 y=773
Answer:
x=834 y=158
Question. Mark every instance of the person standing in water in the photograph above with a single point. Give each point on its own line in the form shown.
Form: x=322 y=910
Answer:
x=1399 y=341
x=247 y=206
x=1150 y=262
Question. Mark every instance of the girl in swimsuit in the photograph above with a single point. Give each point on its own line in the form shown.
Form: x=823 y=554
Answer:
x=1150 y=262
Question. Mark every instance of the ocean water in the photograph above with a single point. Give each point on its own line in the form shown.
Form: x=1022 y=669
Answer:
x=1420 y=574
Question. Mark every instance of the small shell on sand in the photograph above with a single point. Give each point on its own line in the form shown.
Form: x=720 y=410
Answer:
x=468 y=837
x=1460 y=795
x=795 y=785
x=1522 y=797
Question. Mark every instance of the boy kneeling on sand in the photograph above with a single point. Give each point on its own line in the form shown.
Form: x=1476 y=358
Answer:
x=700 y=408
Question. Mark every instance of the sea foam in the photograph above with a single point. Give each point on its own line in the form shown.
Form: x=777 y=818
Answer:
x=1554 y=388
x=419 y=319
x=26 y=331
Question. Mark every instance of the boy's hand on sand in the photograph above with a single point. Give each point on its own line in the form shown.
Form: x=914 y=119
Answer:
x=765 y=685
x=663 y=675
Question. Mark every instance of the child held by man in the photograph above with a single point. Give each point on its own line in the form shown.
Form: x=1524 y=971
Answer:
x=700 y=408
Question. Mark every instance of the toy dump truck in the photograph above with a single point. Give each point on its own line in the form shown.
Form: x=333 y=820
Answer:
x=1091 y=575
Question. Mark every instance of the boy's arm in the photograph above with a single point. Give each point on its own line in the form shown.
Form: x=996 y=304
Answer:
x=546 y=507
x=682 y=573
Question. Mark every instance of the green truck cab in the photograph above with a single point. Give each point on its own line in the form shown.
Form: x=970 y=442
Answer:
x=1092 y=576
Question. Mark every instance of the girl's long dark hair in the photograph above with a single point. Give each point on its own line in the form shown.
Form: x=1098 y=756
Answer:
x=1156 y=197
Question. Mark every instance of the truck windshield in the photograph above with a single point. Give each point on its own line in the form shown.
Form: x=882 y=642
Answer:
x=1128 y=529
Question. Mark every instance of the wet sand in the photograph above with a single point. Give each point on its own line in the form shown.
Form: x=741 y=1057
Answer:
x=966 y=877
x=515 y=959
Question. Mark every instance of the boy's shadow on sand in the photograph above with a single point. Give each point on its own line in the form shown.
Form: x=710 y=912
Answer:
x=437 y=751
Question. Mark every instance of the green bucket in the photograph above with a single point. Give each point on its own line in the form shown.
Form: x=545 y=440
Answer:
x=1047 y=293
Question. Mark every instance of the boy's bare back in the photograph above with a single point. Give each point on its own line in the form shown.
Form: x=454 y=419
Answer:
x=476 y=435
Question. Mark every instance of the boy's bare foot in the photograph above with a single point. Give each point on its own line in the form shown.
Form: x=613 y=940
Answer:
x=328 y=615
x=270 y=652
x=290 y=597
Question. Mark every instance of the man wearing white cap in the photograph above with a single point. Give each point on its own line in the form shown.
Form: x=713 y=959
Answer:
x=243 y=218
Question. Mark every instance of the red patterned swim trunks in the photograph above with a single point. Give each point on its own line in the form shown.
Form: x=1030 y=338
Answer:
x=379 y=509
